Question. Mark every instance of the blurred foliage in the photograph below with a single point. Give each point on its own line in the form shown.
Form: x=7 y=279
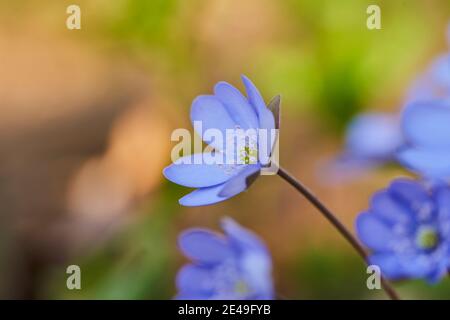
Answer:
x=137 y=264
x=325 y=274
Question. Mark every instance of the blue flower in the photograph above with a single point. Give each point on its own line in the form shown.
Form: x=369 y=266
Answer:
x=371 y=140
x=435 y=82
x=408 y=230
x=426 y=127
x=234 y=266
x=226 y=110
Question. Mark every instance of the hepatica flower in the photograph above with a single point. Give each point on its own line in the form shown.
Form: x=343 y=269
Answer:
x=233 y=266
x=426 y=127
x=408 y=230
x=371 y=139
x=435 y=82
x=240 y=132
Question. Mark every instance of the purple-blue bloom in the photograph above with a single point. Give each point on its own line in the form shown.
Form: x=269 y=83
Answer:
x=426 y=127
x=407 y=229
x=371 y=139
x=435 y=82
x=226 y=110
x=233 y=266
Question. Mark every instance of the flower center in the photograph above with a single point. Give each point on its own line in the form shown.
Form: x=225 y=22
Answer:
x=427 y=238
x=248 y=154
x=241 y=287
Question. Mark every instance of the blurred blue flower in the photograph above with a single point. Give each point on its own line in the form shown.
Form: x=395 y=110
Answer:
x=426 y=127
x=226 y=110
x=408 y=230
x=371 y=140
x=435 y=82
x=234 y=266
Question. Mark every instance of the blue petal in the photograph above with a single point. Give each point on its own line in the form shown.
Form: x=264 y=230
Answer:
x=374 y=136
x=213 y=115
x=374 y=233
x=396 y=266
x=437 y=274
x=203 y=197
x=187 y=173
x=345 y=167
x=256 y=268
x=414 y=196
x=417 y=266
x=389 y=265
x=239 y=182
x=204 y=246
x=421 y=90
x=431 y=164
x=265 y=116
x=255 y=261
x=408 y=190
x=195 y=280
x=426 y=124
x=240 y=237
x=238 y=107
x=390 y=209
x=440 y=71
x=442 y=198
x=434 y=84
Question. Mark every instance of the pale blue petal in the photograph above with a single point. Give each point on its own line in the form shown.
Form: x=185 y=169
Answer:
x=374 y=233
x=203 y=197
x=389 y=265
x=256 y=267
x=239 y=182
x=426 y=124
x=255 y=261
x=265 y=116
x=213 y=115
x=442 y=198
x=253 y=95
x=241 y=238
x=417 y=266
x=440 y=71
x=192 y=279
x=432 y=164
x=390 y=209
x=266 y=121
x=408 y=191
x=238 y=107
x=204 y=246
x=374 y=136
x=187 y=173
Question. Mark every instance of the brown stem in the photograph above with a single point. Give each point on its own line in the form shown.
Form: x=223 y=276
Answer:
x=336 y=223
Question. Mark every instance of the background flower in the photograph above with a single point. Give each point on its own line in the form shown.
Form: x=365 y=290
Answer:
x=435 y=81
x=234 y=266
x=371 y=139
x=407 y=227
x=427 y=132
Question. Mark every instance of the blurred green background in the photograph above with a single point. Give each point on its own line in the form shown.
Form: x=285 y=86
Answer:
x=86 y=117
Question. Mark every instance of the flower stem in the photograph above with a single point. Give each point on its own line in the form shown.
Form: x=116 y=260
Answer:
x=336 y=223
